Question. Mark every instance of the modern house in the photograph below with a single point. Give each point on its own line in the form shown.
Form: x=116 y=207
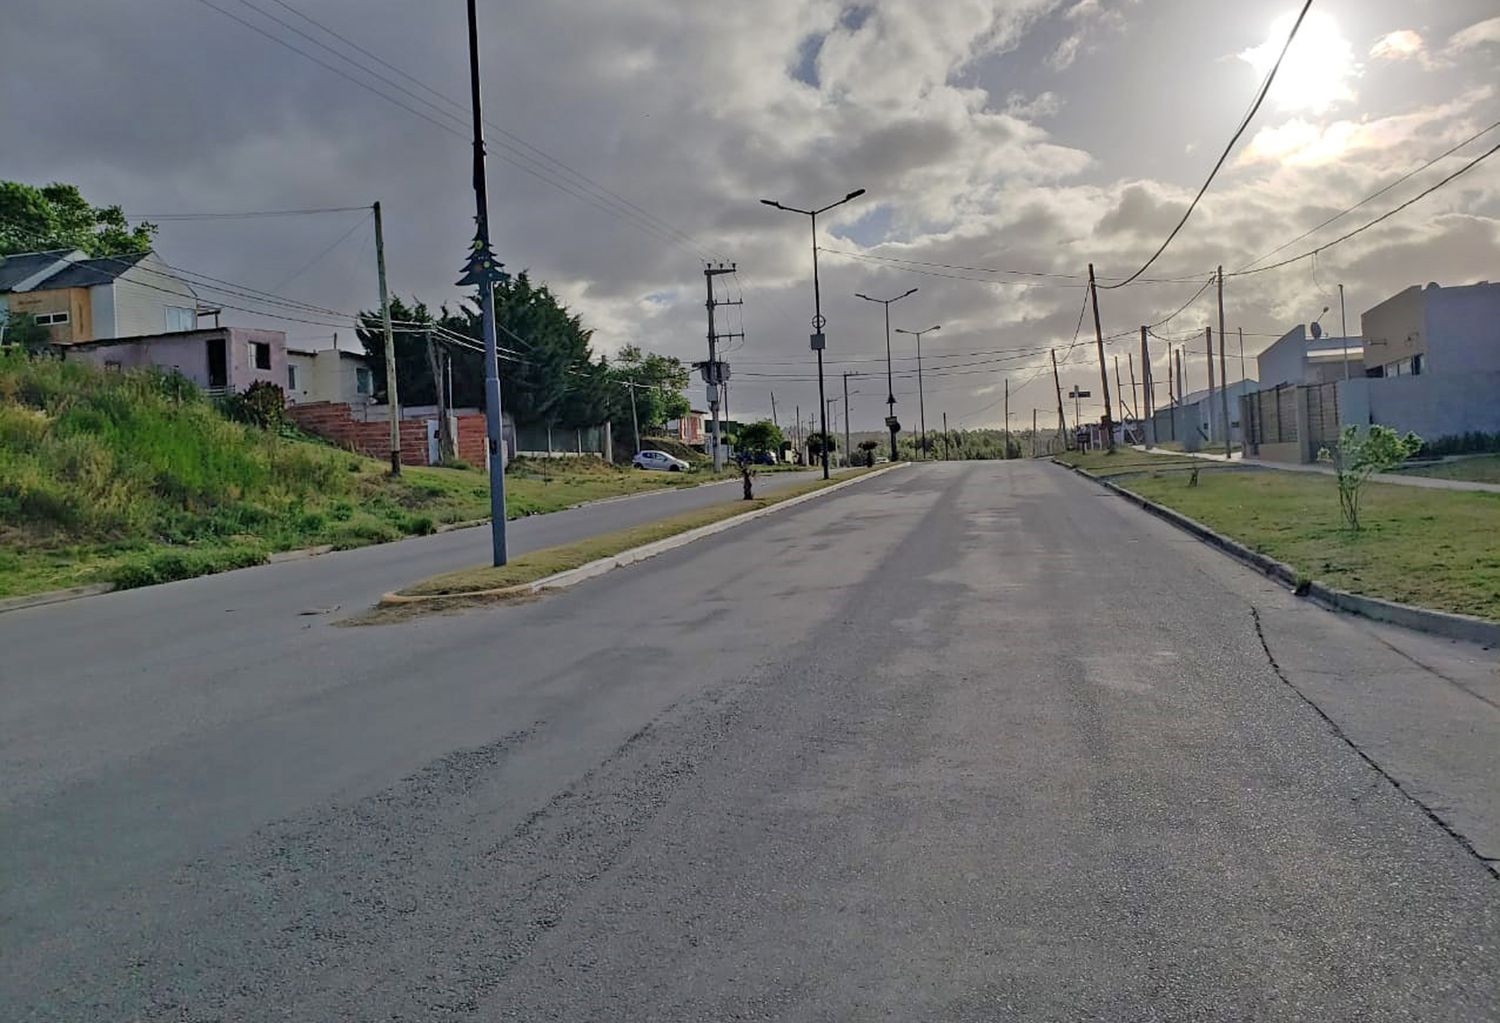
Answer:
x=217 y=359
x=328 y=374
x=78 y=298
x=1295 y=359
x=1197 y=421
x=1431 y=365
x=1435 y=330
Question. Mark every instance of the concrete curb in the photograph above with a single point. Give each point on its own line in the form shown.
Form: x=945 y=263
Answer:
x=54 y=597
x=574 y=576
x=1439 y=623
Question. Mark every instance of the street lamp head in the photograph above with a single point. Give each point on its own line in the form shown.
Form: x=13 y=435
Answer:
x=867 y=298
x=854 y=194
x=773 y=202
x=935 y=326
x=913 y=291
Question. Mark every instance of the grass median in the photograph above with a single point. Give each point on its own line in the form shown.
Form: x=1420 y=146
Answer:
x=528 y=568
x=1432 y=548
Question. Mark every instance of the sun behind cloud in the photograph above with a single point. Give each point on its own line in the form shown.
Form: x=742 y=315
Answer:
x=1319 y=70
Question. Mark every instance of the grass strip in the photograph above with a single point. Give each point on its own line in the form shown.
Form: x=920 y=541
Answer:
x=528 y=568
x=1432 y=548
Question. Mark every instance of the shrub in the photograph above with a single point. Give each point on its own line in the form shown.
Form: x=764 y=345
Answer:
x=262 y=404
x=172 y=563
x=1359 y=457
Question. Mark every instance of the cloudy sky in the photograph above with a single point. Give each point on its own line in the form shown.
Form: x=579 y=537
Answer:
x=1029 y=135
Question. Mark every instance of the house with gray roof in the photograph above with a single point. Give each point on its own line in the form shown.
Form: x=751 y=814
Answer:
x=79 y=298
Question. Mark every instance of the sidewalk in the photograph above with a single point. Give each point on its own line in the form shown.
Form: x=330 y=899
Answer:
x=1399 y=479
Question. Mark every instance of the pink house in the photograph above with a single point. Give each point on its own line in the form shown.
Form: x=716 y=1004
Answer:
x=691 y=428
x=218 y=359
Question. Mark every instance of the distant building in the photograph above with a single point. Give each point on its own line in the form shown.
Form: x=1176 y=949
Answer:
x=691 y=428
x=78 y=298
x=328 y=374
x=1296 y=359
x=1435 y=330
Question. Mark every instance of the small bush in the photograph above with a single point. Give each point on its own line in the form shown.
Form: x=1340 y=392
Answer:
x=173 y=563
x=262 y=404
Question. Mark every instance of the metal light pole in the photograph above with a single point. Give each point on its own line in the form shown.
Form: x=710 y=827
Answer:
x=483 y=271
x=921 y=398
x=818 y=340
x=890 y=387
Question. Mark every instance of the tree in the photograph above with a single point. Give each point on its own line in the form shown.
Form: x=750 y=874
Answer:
x=1359 y=457
x=815 y=444
x=22 y=329
x=57 y=216
x=659 y=381
x=761 y=436
x=868 y=447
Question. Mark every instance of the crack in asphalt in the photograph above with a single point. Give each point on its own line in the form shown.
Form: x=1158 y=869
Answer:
x=1492 y=866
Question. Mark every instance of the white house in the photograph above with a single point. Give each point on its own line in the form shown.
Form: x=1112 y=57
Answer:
x=1435 y=330
x=78 y=298
x=1295 y=359
x=328 y=374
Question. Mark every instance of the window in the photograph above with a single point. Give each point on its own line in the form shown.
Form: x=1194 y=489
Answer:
x=1416 y=365
x=291 y=377
x=362 y=381
x=180 y=318
x=50 y=319
x=260 y=355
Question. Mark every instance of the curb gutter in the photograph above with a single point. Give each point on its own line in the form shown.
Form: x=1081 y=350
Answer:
x=574 y=576
x=54 y=597
x=1439 y=623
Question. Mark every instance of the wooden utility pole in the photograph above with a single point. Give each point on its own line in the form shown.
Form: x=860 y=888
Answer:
x=392 y=399
x=1120 y=392
x=1223 y=371
x=1148 y=396
x=848 y=451
x=1062 y=422
x=635 y=423
x=445 y=434
x=945 y=436
x=1108 y=421
x=1208 y=334
x=1140 y=422
x=773 y=411
x=797 y=429
x=1007 y=418
x=1033 y=433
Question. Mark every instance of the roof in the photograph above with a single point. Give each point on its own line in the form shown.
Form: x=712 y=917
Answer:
x=60 y=268
x=15 y=269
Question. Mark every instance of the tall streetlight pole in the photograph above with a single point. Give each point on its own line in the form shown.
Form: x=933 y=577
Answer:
x=818 y=340
x=483 y=271
x=921 y=398
x=890 y=386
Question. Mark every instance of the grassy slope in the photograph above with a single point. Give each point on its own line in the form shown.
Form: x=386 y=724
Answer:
x=110 y=477
x=1433 y=548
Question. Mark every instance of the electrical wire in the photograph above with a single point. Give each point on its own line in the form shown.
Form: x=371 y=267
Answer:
x=319 y=257
x=244 y=215
x=1244 y=123
x=1372 y=196
x=1369 y=224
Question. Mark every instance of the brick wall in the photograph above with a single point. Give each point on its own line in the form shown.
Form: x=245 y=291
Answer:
x=332 y=421
x=471 y=441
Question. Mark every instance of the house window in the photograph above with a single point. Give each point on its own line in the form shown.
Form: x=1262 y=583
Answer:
x=260 y=355
x=362 y=381
x=179 y=318
x=291 y=377
x=50 y=319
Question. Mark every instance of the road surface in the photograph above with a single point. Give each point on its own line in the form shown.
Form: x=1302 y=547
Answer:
x=969 y=741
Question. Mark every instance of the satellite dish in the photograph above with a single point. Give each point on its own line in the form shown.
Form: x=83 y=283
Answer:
x=1317 y=330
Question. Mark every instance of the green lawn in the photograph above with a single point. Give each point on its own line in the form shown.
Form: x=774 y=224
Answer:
x=1433 y=548
x=1476 y=469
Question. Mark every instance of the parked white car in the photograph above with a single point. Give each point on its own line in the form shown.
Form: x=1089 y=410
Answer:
x=659 y=460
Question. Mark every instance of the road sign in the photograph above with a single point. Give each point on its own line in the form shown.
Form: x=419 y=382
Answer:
x=1076 y=393
x=819 y=342
x=892 y=423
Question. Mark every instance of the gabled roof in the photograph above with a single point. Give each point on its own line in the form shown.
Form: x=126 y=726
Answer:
x=61 y=268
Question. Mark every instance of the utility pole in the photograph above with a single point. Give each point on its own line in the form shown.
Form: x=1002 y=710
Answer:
x=1007 y=419
x=392 y=399
x=1148 y=396
x=1108 y=422
x=1181 y=378
x=1062 y=422
x=774 y=421
x=848 y=452
x=945 y=436
x=635 y=423
x=1033 y=433
x=1120 y=392
x=483 y=271
x=715 y=373
x=435 y=365
x=1242 y=354
x=797 y=428
x=1140 y=424
x=1208 y=334
x=1343 y=324
x=1224 y=372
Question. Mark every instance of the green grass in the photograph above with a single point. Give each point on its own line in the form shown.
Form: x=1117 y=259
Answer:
x=1432 y=548
x=1128 y=460
x=1476 y=469
x=135 y=479
x=549 y=561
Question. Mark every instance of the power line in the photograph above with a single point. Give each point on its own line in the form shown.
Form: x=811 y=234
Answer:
x=1369 y=224
x=244 y=215
x=1244 y=123
x=319 y=257
x=1372 y=196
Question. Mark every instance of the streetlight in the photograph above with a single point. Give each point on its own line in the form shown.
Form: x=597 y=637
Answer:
x=890 y=387
x=921 y=401
x=818 y=340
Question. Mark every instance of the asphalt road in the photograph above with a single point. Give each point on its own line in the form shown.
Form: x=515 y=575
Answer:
x=965 y=742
